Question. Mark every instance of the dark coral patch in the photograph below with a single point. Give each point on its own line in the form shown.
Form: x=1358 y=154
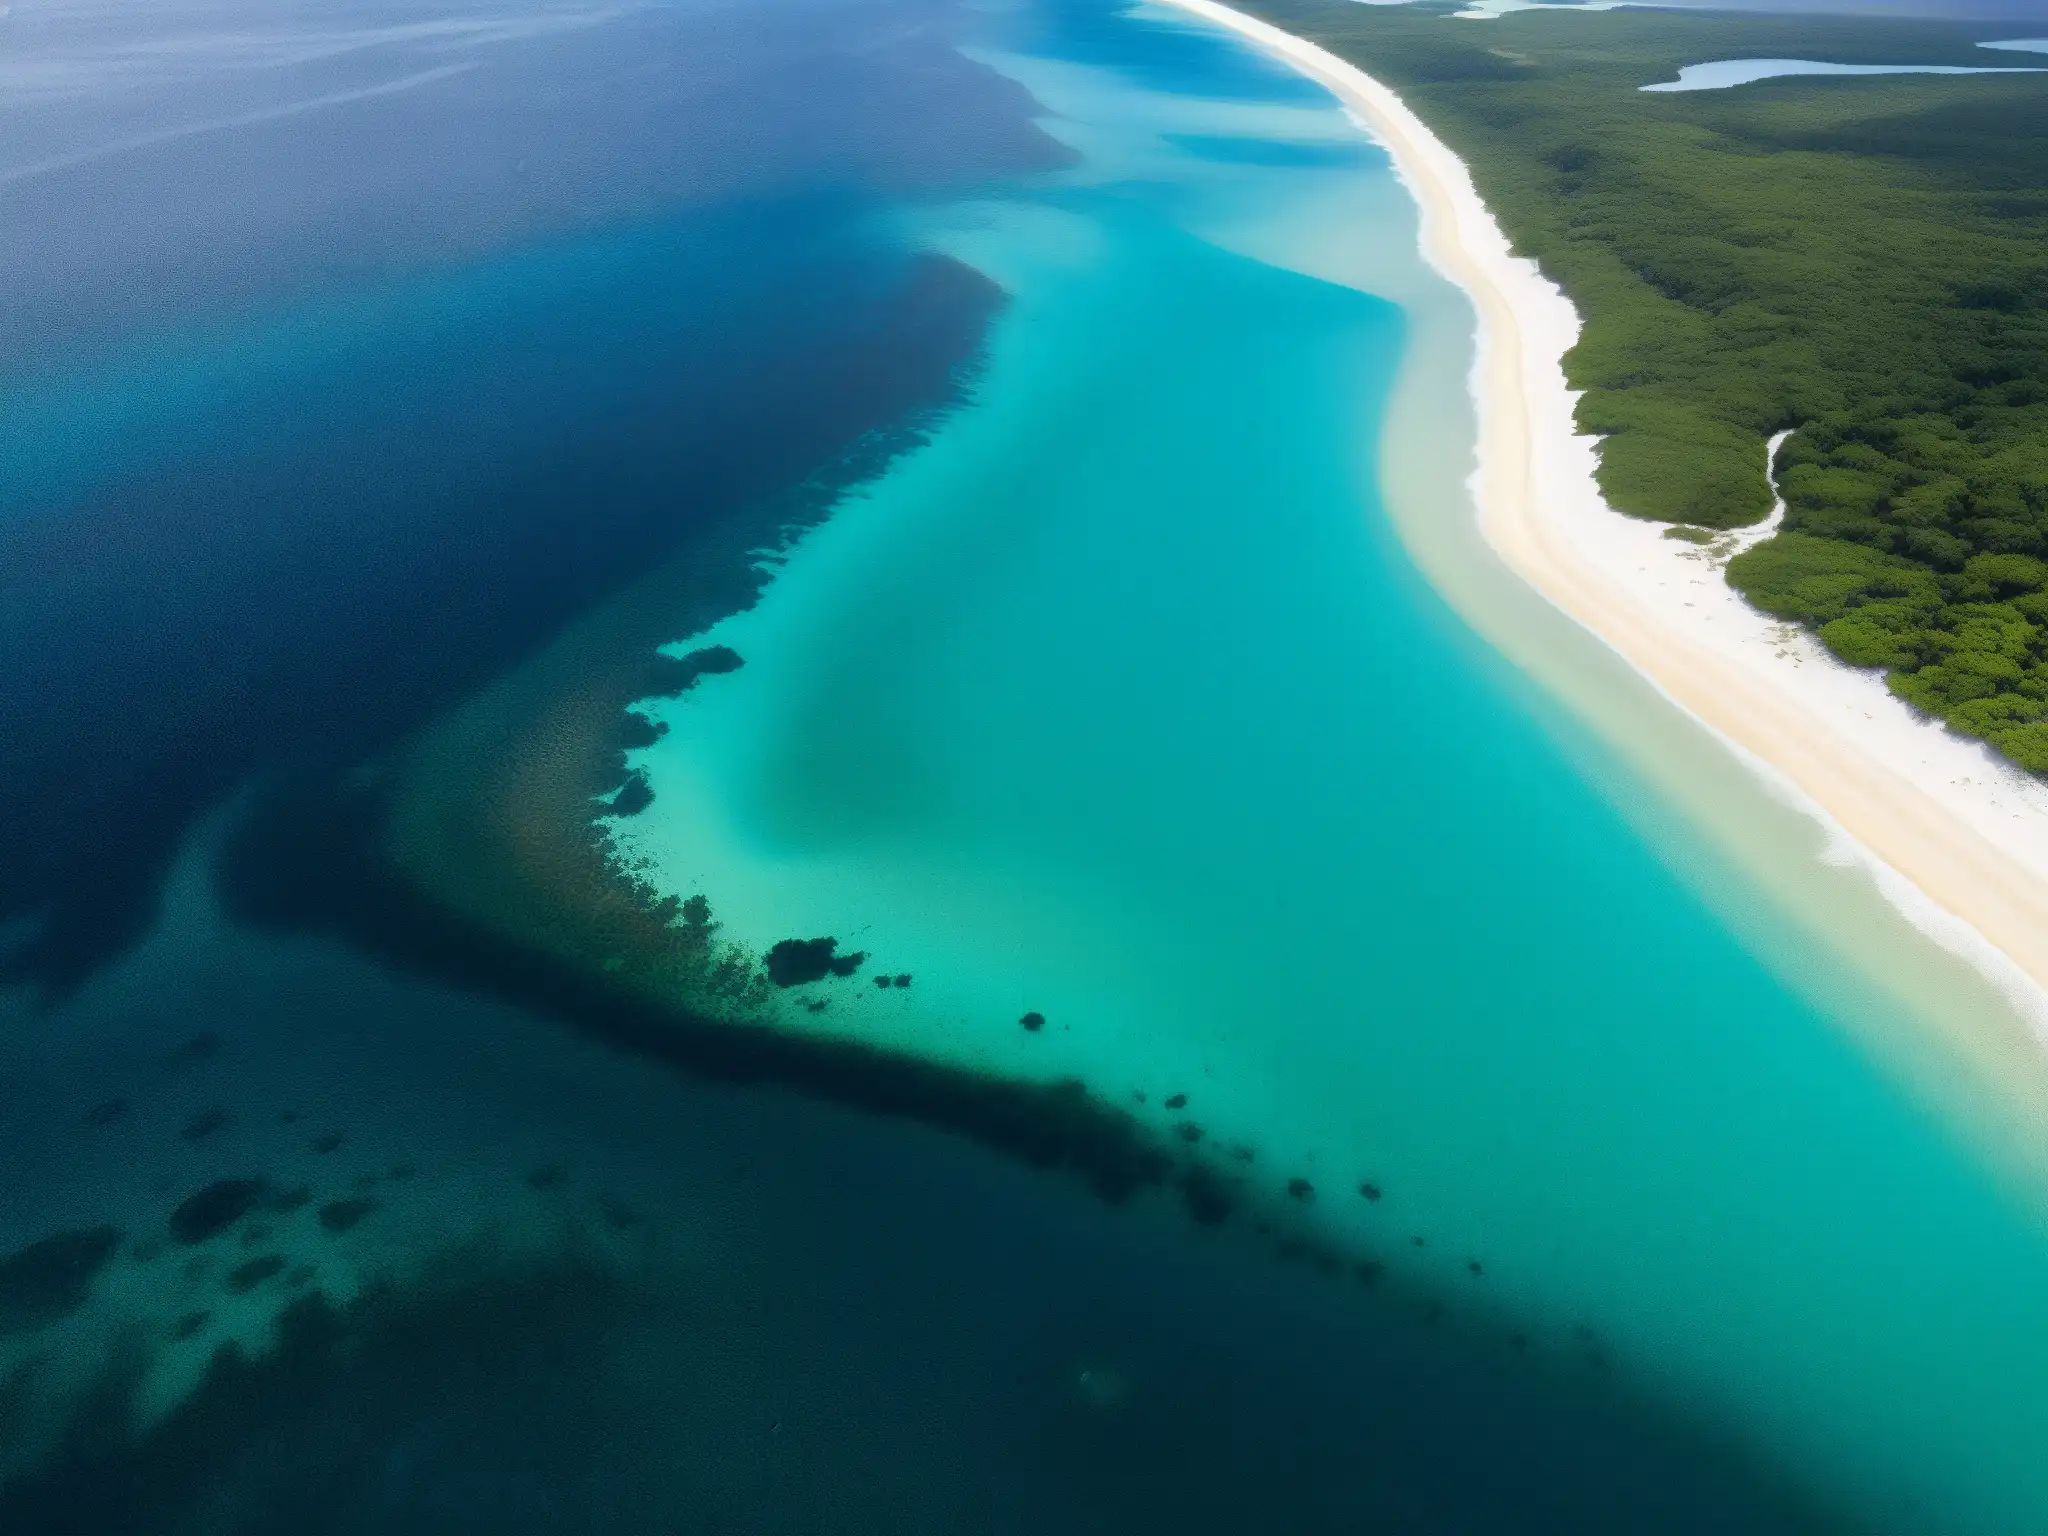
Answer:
x=189 y=1324
x=340 y=1215
x=1033 y=1021
x=204 y=1124
x=106 y=1112
x=793 y=962
x=200 y=1048
x=1370 y=1191
x=327 y=1142
x=903 y=978
x=547 y=1176
x=1188 y=1131
x=1207 y=1199
x=215 y=1208
x=285 y=1201
x=634 y=796
x=1178 y=1101
x=1301 y=1189
x=244 y=1278
x=885 y=981
x=51 y=1279
x=637 y=731
x=675 y=675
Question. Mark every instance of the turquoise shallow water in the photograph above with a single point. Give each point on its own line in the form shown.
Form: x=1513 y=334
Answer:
x=1120 y=703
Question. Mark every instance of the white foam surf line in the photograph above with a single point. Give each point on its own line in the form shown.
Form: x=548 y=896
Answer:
x=1524 y=315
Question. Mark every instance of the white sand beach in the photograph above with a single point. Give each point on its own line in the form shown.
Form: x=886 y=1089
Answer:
x=1955 y=837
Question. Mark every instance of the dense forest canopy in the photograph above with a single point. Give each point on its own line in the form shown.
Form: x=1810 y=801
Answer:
x=1861 y=259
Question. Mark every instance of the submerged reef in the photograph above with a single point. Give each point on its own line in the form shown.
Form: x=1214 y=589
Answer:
x=51 y=1279
x=312 y=857
x=794 y=962
x=215 y=1208
x=343 y=1215
x=634 y=796
x=204 y=1124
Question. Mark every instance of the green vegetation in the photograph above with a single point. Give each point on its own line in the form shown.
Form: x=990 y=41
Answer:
x=1864 y=260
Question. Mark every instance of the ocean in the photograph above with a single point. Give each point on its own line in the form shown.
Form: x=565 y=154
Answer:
x=991 y=400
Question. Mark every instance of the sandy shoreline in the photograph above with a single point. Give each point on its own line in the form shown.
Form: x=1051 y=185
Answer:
x=1955 y=838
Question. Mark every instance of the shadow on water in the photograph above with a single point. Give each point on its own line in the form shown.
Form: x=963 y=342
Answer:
x=920 y=1340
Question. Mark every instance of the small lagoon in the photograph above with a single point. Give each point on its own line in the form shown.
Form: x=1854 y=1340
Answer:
x=1725 y=73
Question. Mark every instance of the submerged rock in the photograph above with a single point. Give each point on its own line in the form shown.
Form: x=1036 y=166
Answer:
x=51 y=1279
x=215 y=1208
x=617 y=1215
x=202 y=1047
x=244 y=1278
x=204 y=1124
x=678 y=674
x=1208 y=1201
x=634 y=796
x=340 y=1215
x=793 y=962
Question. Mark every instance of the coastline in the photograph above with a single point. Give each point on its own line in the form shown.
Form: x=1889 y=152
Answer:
x=1952 y=836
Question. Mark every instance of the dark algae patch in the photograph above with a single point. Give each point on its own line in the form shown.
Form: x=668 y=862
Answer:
x=793 y=962
x=1033 y=1022
x=215 y=1208
x=345 y=1215
x=51 y=1278
x=204 y=1124
x=244 y=1278
x=1859 y=262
